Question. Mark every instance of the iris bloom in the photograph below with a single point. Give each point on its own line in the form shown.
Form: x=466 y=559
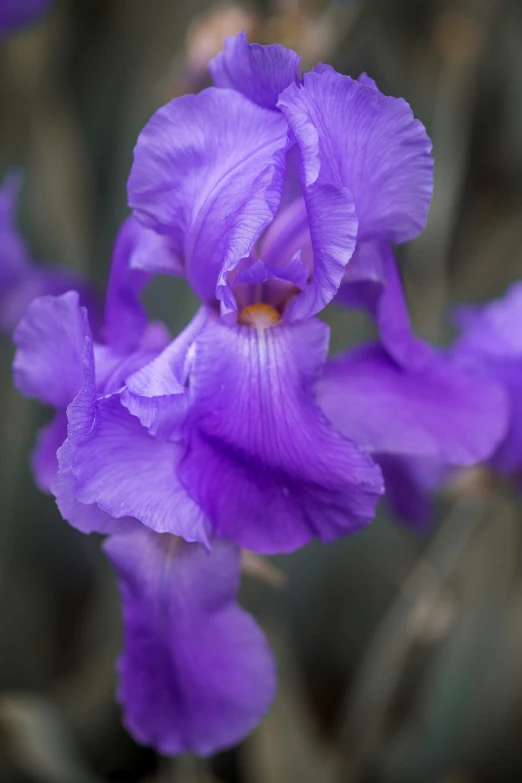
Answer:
x=273 y=195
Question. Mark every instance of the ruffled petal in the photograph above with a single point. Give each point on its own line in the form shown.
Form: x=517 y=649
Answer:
x=352 y=135
x=208 y=172
x=438 y=412
x=117 y=465
x=50 y=340
x=262 y=460
x=157 y=393
x=260 y=73
x=196 y=673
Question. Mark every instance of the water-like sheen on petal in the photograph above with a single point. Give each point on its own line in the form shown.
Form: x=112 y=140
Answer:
x=262 y=460
x=196 y=673
x=260 y=73
x=208 y=172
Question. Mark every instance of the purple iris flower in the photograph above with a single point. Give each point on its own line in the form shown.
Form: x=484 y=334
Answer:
x=277 y=194
x=18 y=13
x=21 y=280
x=274 y=196
x=196 y=673
x=264 y=186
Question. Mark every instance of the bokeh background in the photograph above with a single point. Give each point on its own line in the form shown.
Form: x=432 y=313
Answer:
x=400 y=652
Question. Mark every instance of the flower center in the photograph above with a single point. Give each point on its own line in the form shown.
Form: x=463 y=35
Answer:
x=260 y=315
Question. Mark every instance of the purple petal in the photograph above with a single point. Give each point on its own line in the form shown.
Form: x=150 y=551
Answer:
x=372 y=282
x=352 y=135
x=196 y=673
x=44 y=461
x=208 y=172
x=507 y=460
x=50 y=341
x=490 y=347
x=86 y=518
x=491 y=330
x=260 y=73
x=262 y=460
x=127 y=472
x=333 y=235
x=157 y=393
x=438 y=412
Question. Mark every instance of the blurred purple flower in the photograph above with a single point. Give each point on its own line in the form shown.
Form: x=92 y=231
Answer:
x=18 y=13
x=21 y=280
x=488 y=352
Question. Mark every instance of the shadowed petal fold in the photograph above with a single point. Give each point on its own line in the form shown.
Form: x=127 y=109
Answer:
x=208 y=172
x=262 y=460
x=260 y=73
x=196 y=673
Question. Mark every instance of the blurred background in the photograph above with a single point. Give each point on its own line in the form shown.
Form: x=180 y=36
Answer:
x=400 y=653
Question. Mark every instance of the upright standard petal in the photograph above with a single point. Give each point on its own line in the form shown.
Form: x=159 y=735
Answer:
x=196 y=673
x=260 y=73
x=352 y=135
x=438 y=412
x=208 y=172
x=50 y=341
x=262 y=460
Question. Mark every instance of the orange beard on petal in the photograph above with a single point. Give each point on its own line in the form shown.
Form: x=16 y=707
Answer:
x=259 y=315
